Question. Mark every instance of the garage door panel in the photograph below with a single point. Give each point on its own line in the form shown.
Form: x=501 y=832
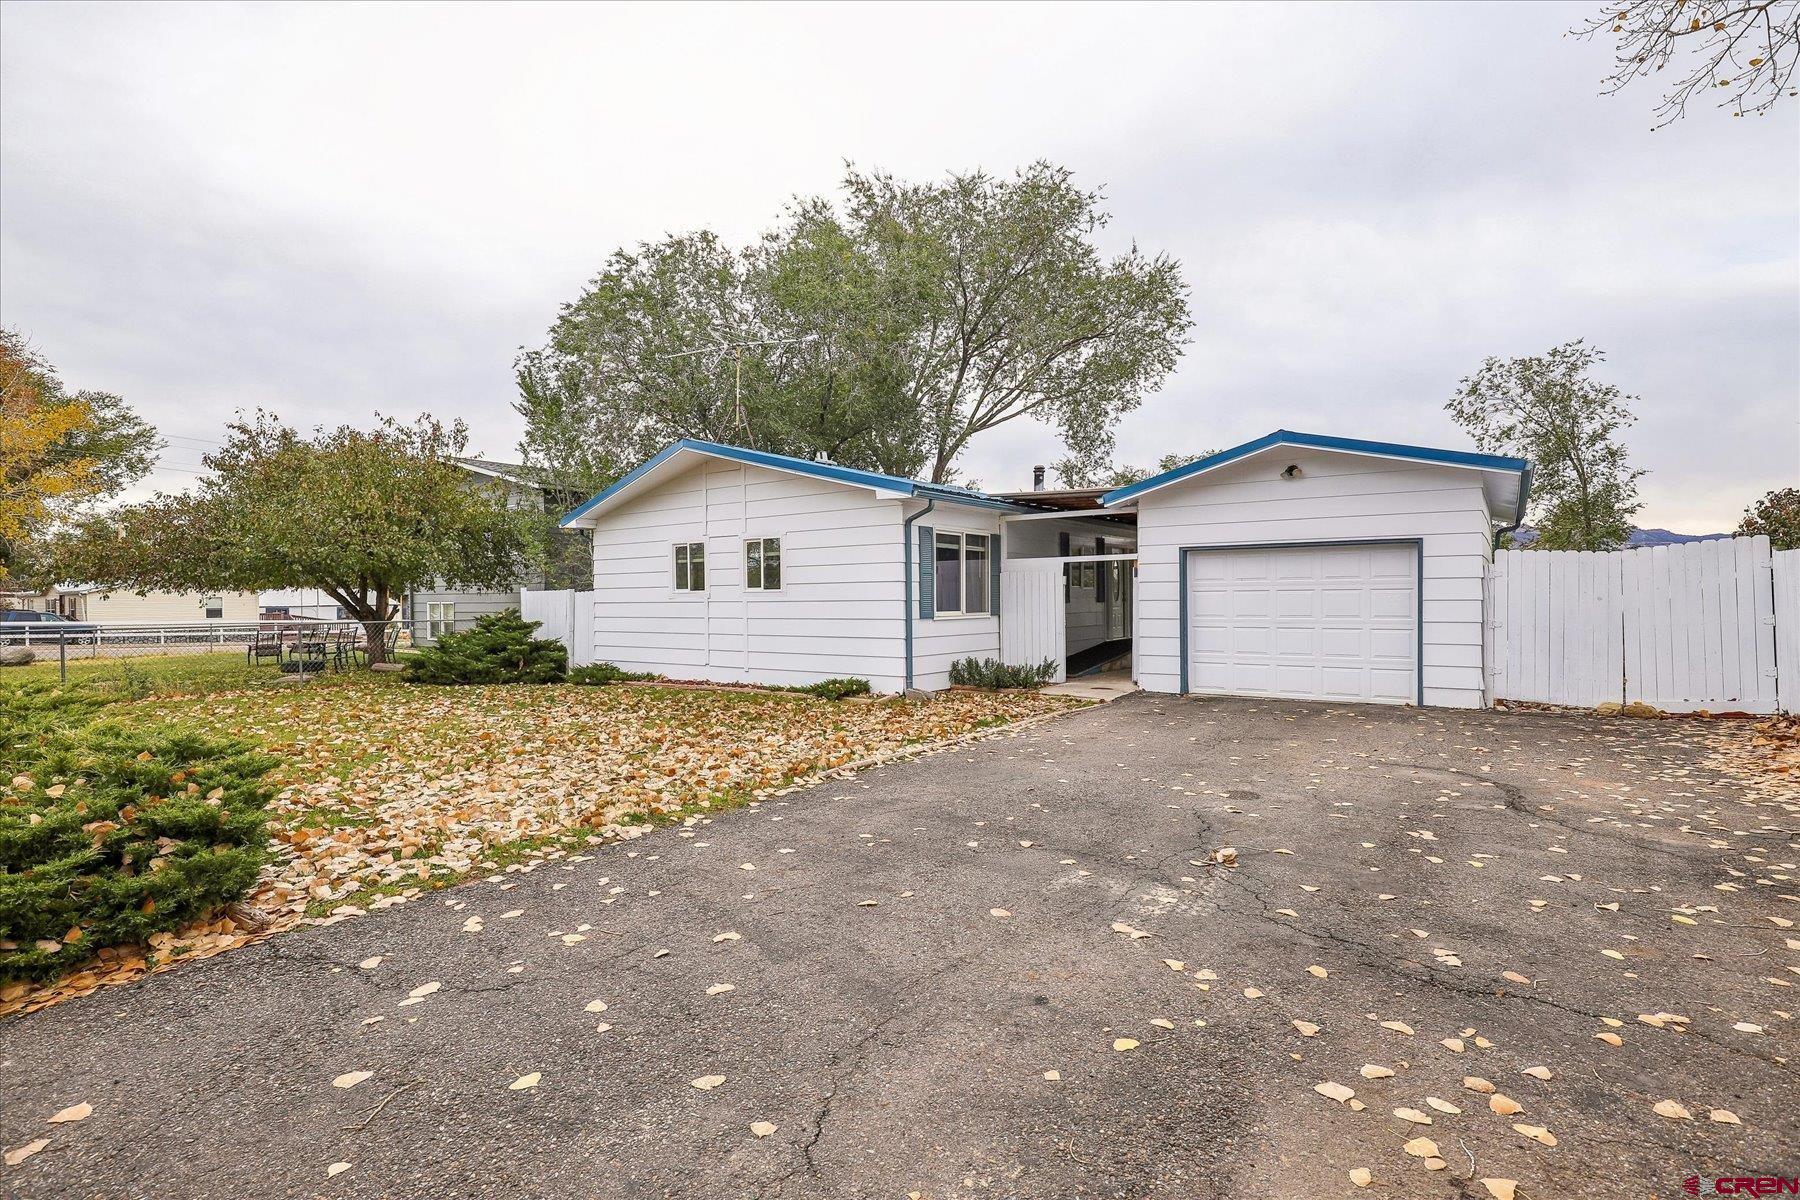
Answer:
x=1252 y=639
x=1395 y=602
x=1248 y=601
x=1296 y=604
x=1322 y=622
x=1296 y=642
x=1392 y=645
x=1209 y=603
x=1392 y=686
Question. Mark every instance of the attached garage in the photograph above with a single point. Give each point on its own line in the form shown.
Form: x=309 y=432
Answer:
x=1311 y=567
x=1332 y=622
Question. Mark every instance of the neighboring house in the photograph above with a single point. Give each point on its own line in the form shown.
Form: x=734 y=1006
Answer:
x=1295 y=565
x=299 y=604
x=83 y=602
x=431 y=611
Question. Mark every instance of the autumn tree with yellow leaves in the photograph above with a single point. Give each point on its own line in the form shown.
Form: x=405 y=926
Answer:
x=59 y=450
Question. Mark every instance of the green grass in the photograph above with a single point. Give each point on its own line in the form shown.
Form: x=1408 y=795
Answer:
x=153 y=673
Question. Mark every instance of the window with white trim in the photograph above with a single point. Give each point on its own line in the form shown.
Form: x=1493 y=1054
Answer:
x=213 y=607
x=762 y=564
x=960 y=574
x=690 y=566
x=440 y=618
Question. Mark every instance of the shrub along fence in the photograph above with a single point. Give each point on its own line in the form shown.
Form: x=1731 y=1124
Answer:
x=1711 y=625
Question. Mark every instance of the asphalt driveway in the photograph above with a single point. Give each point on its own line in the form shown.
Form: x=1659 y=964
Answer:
x=1016 y=969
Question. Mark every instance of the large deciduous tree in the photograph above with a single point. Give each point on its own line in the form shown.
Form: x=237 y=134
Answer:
x=365 y=516
x=886 y=329
x=1742 y=51
x=59 y=450
x=1777 y=517
x=1547 y=410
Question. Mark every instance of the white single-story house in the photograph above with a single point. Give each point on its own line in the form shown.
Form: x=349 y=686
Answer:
x=1295 y=565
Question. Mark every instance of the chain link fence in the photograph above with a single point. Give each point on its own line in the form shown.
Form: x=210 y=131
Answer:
x=206 y=656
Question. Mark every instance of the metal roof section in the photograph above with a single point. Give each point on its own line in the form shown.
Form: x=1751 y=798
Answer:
x=677 y=457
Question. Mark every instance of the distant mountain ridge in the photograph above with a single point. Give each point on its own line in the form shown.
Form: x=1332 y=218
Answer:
x=1525 y=535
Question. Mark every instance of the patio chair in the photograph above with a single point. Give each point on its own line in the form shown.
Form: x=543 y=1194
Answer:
x=266 y=643
x=346 y=645
x=309 y=651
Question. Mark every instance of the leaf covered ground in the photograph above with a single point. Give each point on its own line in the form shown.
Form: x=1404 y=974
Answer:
x=389 y=790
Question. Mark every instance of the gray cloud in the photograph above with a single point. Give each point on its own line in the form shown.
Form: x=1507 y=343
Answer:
x=331 y=210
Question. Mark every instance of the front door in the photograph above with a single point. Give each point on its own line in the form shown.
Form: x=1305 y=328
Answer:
x=1118 y=600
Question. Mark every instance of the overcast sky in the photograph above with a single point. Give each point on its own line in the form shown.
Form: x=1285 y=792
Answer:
x=336 y=209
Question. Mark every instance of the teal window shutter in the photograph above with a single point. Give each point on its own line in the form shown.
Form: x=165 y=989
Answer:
x=1062 y=549
x=1100 y=579
x=927 y=573
x=994 y=574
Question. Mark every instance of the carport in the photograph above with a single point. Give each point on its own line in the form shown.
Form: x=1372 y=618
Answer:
x=1068 y=585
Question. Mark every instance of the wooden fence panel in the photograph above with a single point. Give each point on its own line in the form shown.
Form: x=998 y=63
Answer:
x=1684 y=627
x=1784 y=617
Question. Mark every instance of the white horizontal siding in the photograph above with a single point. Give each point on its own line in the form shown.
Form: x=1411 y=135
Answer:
x=839 y=609
x=941 y=641
x=1336 y=498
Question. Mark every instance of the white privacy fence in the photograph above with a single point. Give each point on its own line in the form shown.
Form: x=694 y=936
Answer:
x=1704 y=625
x=566 y=617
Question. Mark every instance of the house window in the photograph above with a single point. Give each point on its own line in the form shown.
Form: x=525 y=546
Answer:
x=690 y=567
x=440 y=618
x=762 y=565
x=960 y=574
x=214 y=607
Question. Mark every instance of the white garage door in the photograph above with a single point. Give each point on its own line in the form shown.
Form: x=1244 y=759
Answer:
x=1315 y=623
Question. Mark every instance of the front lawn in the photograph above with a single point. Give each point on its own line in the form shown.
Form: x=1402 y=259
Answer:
x=388 y=789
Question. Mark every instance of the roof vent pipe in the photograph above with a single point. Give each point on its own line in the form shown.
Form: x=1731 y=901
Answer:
x=1037 y=478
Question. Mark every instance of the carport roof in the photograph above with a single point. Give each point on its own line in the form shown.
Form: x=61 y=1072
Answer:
x=1511 y=476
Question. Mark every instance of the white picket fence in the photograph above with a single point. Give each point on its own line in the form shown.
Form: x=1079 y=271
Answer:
x=1703 y=625
x=566 y=616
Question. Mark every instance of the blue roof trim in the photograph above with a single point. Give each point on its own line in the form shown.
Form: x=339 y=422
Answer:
x=800 y=466
x=1319 y=441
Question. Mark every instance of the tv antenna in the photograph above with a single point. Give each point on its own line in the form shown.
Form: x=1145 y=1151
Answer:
x=735 y=348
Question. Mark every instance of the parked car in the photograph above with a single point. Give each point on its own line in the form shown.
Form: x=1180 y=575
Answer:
x=19 y=626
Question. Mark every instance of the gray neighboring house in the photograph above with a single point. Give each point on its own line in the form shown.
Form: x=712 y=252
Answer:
x=431 y=612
